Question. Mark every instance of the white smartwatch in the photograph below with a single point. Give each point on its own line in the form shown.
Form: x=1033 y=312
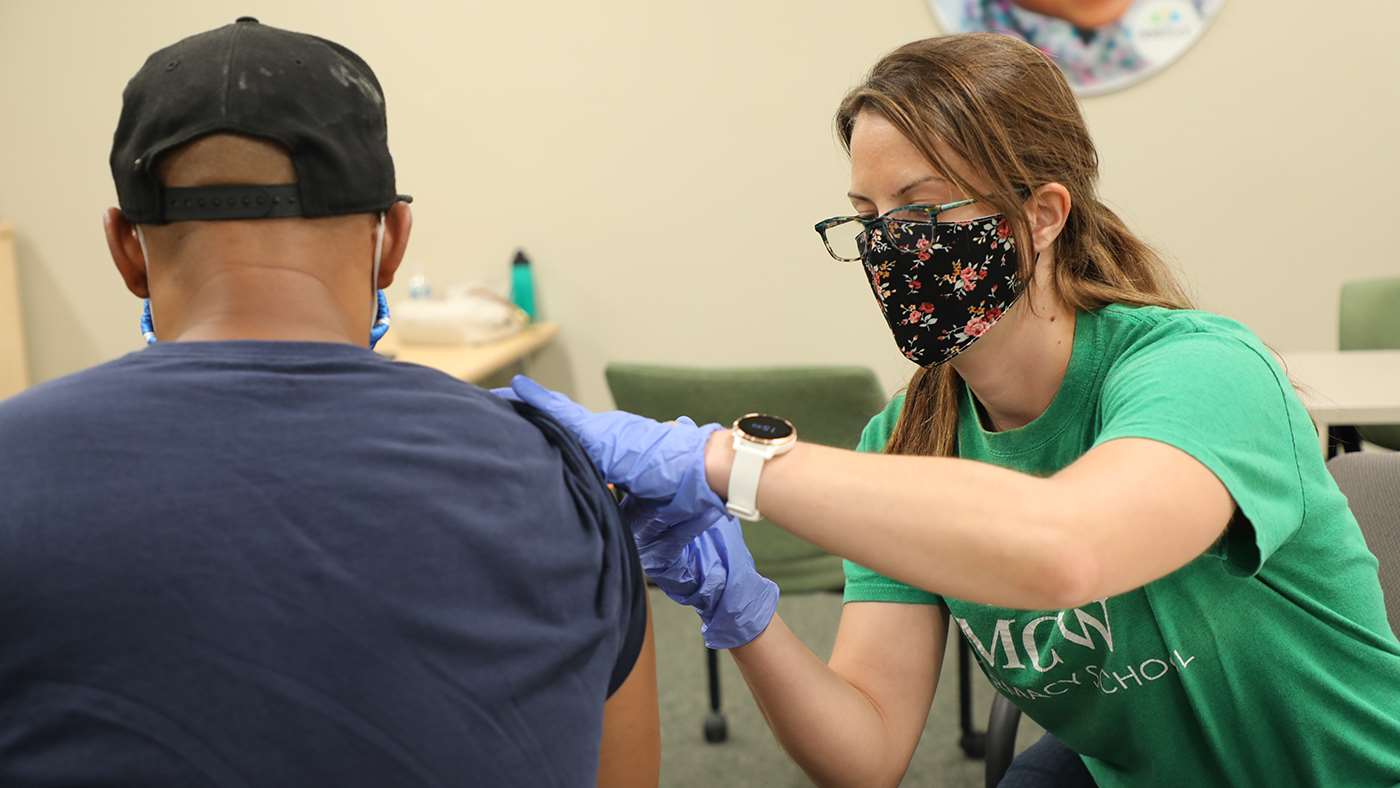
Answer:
x=758 y=438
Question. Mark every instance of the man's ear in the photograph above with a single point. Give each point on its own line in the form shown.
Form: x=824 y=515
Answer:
x=398 y=224
x=126 y=252
x=1047 y=210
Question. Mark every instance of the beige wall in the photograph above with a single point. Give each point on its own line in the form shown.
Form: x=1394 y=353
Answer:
x=663 y=162
x=14 y=363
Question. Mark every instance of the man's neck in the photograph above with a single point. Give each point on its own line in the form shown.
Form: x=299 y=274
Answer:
x=276 y=304
x=225 y=328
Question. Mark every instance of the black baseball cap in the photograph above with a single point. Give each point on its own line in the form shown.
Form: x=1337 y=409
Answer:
x=314 y=97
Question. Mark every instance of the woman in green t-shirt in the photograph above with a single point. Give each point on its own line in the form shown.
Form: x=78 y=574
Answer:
x=1119 y=501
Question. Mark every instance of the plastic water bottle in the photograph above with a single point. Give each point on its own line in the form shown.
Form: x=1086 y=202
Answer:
x=418 y=287
x=522 y=284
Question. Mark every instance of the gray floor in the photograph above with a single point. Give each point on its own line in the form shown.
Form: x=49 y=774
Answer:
x=752 y=756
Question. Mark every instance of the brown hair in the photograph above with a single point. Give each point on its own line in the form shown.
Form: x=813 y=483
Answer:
x=1005 y=109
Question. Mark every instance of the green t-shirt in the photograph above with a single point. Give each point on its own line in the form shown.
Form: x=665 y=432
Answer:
x=1268 y=659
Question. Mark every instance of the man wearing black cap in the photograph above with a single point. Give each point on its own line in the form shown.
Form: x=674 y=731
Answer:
x=258 y=554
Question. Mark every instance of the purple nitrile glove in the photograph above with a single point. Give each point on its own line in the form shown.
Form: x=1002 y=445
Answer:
x=713 y=572
x=661 y=463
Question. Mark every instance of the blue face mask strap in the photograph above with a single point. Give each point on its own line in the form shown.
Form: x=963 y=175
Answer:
x=381 y=319
x=148 y=324
x=380 y=325
x=377 y=330
x=148 y=327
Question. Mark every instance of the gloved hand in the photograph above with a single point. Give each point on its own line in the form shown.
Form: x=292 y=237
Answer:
x=661 y=463
x=688 y=543
x=713 y=572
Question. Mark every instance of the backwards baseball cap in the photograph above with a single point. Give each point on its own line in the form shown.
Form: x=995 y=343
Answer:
x=314 y=97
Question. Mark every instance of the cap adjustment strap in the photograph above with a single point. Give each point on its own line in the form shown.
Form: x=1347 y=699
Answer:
x=196 y=203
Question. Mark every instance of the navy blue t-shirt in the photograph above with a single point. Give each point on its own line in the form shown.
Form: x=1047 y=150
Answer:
x=301 y=564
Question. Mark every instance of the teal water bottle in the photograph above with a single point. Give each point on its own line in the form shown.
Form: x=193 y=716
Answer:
x=522 y=284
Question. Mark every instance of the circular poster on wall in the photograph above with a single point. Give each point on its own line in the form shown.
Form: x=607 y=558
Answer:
x=1101 y=45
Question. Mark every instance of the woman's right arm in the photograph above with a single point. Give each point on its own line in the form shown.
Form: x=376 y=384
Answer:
x=857 y=720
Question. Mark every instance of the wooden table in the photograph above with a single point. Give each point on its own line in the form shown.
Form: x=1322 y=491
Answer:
x=1352 y=387
x=472 y=363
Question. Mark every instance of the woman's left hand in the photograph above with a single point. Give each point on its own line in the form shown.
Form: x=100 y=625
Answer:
x=661 y=463
x=713 y=572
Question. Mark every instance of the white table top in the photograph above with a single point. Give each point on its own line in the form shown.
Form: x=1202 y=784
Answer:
x=1348 y=387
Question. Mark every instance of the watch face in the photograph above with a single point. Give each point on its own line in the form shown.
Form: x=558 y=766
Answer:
x=765 y=428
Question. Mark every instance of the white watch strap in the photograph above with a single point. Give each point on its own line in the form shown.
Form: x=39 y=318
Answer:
x=743 y=480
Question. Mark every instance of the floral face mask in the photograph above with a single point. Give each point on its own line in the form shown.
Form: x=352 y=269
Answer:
x=941 y=285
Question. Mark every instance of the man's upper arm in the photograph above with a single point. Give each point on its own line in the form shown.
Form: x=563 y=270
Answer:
x=621 y=596
x=631 y=750
x=635 y=607
x=631 y=746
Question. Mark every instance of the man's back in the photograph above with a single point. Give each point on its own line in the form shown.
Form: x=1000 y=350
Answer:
x=254 y=563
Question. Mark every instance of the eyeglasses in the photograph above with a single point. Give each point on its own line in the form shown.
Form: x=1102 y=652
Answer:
x=848 y=237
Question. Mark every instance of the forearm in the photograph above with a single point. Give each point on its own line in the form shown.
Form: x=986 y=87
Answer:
x=829 y=727
x=964 y=529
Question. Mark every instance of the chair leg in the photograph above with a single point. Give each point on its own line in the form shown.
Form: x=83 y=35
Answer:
x=716 y=727
x=1001 y=739
x=1342 y=438
x=972 y=741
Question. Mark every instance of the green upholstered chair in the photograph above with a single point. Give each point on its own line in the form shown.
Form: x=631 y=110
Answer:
x=829 y=405
x=1370 y=320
